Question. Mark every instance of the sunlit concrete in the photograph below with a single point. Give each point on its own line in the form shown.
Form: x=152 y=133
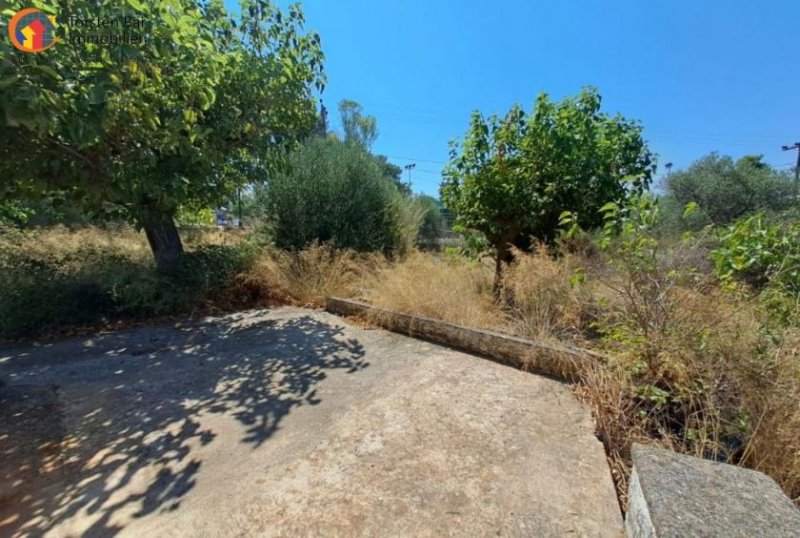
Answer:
x=290 y=422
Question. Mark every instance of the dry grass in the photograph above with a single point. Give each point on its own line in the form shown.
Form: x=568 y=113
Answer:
x=774 y=445
x=697 y=371
x=694 y=369
x=547 y=297
x=124 y=240
x=447 y=288
x=309 y=276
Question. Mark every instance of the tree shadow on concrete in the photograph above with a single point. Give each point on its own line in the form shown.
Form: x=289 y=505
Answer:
x=108 y=429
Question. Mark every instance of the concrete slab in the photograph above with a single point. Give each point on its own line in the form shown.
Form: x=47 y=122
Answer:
x=290 y=422
x=674 y=495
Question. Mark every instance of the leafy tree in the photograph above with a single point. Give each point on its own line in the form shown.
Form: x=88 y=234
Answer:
x=335 y=192
x=358 y=128
x=726 y=190
x=207 y=103
x=363 y=130
x=393 y=172
x=512 y=177
x=432 y=226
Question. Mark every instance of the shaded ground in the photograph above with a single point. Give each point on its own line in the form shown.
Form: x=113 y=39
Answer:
x=290 y=423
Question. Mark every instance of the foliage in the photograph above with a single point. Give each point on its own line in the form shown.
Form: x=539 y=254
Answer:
x=358 y=128
x=432 y=226
x=761 y=254
x=512 y=177
x=207 y=103
x=195 y=217
x=725 y=190
x=334 y=192
x=43 y=290
x=394 y=172
x=362 y=130
x=693 y=368
x=13 y=214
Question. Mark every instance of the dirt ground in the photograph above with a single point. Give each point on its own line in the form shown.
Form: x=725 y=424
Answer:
x=290 y=422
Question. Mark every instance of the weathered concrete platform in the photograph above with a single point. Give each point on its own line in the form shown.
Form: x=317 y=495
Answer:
x=673 y=495
x=290 y=423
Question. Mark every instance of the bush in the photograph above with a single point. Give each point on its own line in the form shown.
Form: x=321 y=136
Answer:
x=432 y=224
x=44 y=288
x=760 y=254
x=697 y=369
x=336 y=192
x=726 y=190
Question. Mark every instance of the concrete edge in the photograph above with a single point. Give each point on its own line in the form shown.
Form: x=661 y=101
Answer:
x=560 y=362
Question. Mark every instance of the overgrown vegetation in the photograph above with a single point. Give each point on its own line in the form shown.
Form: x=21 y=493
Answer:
x=57 y=279
x=335 y=192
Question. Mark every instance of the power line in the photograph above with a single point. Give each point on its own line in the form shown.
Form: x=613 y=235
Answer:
x=415 y=159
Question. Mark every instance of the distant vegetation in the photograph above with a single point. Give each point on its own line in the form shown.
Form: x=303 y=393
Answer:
x=725 y=190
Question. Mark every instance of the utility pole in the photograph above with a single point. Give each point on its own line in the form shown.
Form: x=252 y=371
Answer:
x=795 y=146
x=410 y=167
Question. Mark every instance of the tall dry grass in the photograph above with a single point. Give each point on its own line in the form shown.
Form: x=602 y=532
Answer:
x=547 y=297
x=122 y=239
x=308 y=276
x=448 y=288
x=695 y=369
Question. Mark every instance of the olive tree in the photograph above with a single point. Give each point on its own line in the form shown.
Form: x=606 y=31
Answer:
x=726 y=190
x=512 y=177
x=208 y=101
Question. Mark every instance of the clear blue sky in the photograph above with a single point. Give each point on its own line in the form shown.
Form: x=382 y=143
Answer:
x=702 y=75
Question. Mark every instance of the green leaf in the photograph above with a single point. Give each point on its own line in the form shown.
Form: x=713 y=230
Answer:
x=138 y=6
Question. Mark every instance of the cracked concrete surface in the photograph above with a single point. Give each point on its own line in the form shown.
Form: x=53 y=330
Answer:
x=290 y=422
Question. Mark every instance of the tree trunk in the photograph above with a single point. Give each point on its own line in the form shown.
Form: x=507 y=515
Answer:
x=498 y=272
x=165 y=242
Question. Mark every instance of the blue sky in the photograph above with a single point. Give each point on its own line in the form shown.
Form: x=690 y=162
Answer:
x=702 y=76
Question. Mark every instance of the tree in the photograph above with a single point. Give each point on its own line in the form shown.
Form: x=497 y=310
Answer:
x=726 y=190
x=208 y=102
x=358 y=128
x=321 y=126
x=393 y=172
x=512 y=177
x=432 y=226
x=336 y=192
x=363 y=130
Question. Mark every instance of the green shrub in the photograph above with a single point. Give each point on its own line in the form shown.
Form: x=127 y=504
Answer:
x=42 y=291
x=726 y=190
x=335 y=192
x=761 y=254
x=432 y=224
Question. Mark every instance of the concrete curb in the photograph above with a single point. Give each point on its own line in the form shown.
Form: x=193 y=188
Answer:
x=557 y=361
